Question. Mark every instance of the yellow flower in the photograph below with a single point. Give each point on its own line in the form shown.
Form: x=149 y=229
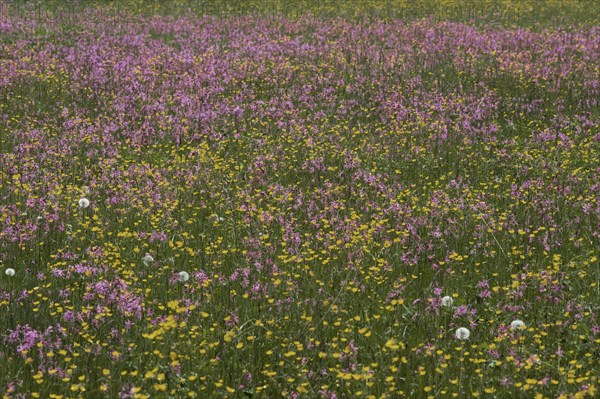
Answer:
x=393 y=344
x=160 y=387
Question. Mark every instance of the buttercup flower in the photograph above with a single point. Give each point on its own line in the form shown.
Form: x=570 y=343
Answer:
x=9 y=272
x=463 y=333
x=84 y=203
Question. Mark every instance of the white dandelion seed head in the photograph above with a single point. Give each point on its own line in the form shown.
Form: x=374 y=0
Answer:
x=517 y=324
x=463 y=333
x=183 y=277
x=216 y=217
x=447 y=301
x=147 y=259
x=84 y=203
x=9 y=272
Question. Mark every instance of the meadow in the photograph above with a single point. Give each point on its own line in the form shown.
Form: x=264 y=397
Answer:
x=300 y=200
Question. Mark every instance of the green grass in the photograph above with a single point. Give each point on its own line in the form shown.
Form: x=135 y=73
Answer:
x=527 y=13
x=319 y=244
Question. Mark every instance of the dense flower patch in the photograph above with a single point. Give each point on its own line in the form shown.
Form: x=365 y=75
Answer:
x=263 y=207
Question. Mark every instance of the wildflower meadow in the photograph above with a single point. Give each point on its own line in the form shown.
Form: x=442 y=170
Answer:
x=298 y=199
